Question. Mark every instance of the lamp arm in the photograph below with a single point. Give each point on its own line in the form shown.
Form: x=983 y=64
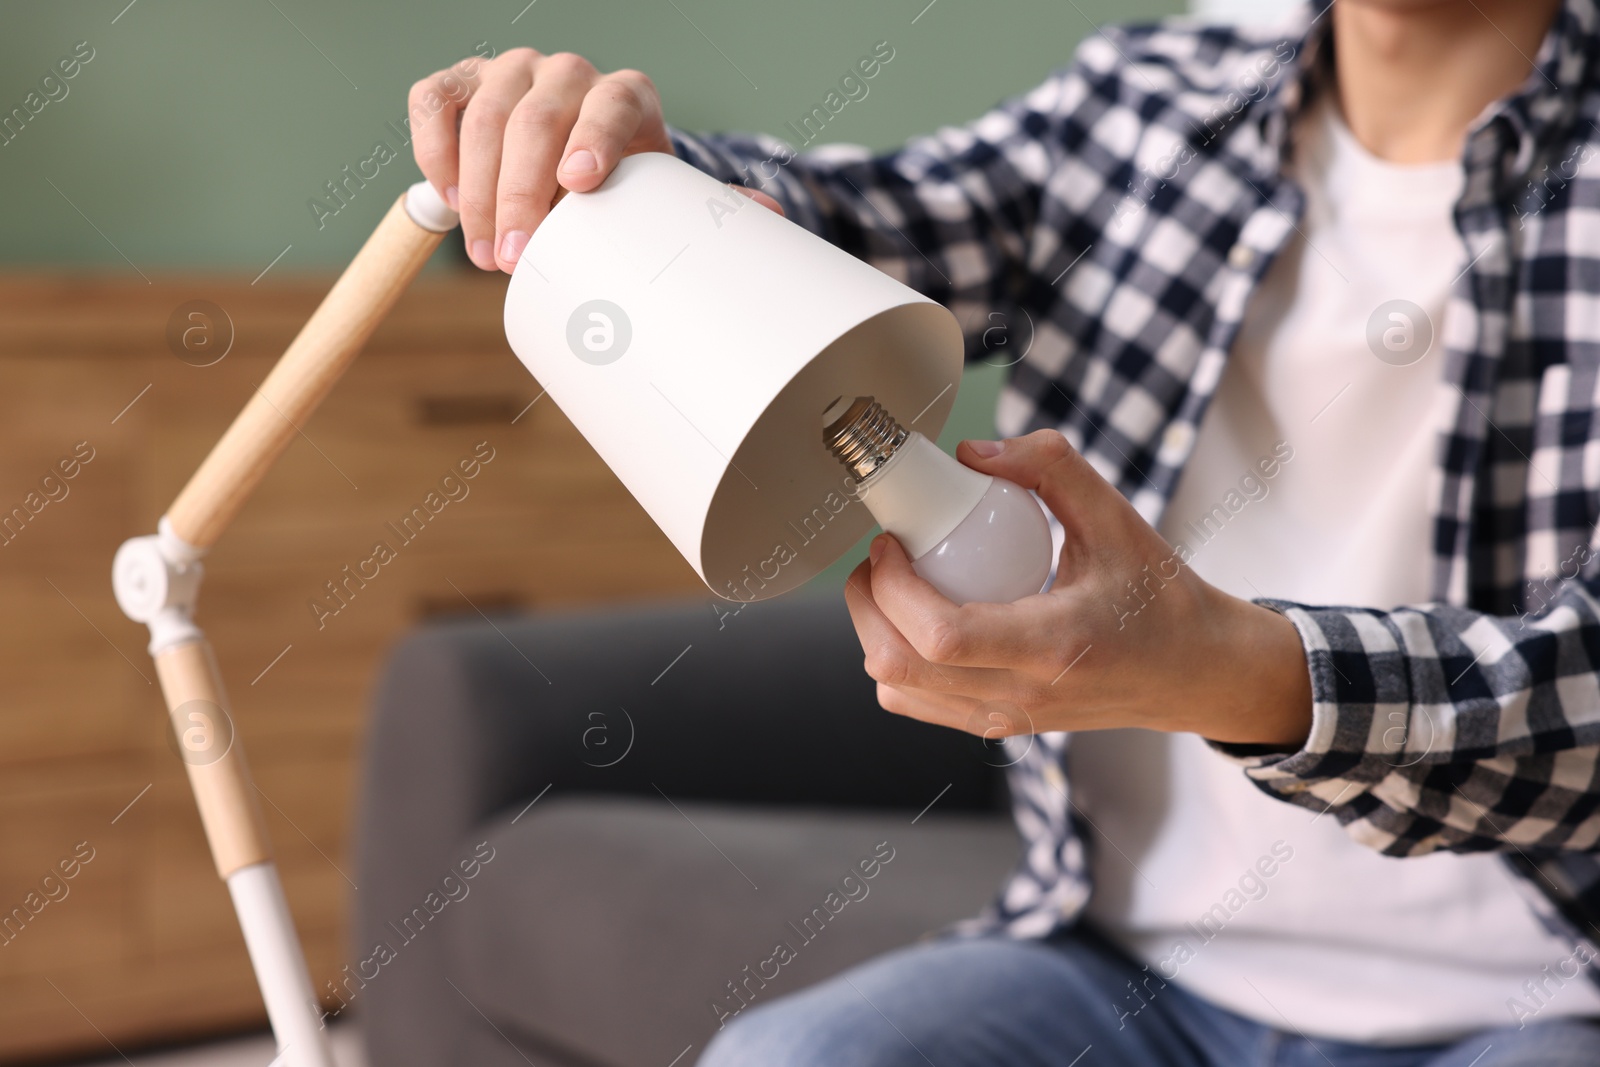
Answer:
x=306 y=372
x=156 y=580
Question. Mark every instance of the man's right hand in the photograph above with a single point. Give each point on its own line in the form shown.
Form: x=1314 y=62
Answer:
x=497 y=138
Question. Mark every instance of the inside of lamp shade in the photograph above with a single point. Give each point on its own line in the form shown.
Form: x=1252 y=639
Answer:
x=784 y=509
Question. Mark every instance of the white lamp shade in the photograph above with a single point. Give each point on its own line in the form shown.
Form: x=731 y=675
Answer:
x=695 y=339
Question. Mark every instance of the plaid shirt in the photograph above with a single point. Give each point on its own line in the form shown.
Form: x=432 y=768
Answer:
x=1121 y=215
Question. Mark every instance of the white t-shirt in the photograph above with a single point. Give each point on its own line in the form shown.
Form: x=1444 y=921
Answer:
x=1262 y=907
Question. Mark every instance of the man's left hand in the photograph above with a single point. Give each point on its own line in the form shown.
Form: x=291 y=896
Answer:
x=1127 y=635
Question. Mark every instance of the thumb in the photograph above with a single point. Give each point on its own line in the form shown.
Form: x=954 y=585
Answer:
x=1044 y=462
x=759 y=197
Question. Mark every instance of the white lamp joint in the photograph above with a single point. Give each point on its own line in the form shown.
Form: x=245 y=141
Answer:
x=156 y=580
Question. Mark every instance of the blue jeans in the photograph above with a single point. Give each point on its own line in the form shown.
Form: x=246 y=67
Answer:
x=990 y=1002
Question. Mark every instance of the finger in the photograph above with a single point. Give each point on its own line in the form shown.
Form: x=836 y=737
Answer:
x=1044 y=462
x=955 y=712
x=759 y=197
x=483 y=125
x=615 y=111
x=996 y=720
x=891 y=660
x=432 y=107
x=889 y=657
x=949 y=635
x=535 y=134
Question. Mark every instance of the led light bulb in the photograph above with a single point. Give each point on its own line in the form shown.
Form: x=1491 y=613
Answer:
x=974 y=537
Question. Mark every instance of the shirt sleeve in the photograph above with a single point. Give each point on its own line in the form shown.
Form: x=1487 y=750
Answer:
x=1435 y=727
x=954 y=215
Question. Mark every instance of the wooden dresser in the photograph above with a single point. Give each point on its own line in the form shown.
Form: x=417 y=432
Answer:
x=140 y=945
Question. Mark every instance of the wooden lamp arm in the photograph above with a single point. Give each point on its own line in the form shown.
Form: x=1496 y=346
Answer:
x=157 y=578
x=303 y=376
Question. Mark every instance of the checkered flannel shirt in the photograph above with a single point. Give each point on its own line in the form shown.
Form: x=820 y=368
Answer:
x=1115 y=221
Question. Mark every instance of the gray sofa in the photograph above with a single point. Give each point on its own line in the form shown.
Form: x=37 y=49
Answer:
x=690 y=811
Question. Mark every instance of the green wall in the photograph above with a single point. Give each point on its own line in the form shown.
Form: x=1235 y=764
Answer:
x=200 y=130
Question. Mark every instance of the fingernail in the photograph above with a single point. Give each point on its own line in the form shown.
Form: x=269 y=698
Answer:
x=452 y=198
x=987 y=449
x=580 y=162
x=511 y=246
x=875 y=549
x=482 y=254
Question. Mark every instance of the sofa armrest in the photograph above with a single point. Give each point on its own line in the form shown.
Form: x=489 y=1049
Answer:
x=768 y=706
x=473 y=720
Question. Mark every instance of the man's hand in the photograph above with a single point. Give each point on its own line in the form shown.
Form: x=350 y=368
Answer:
x=1127 y=635
x=497 y=138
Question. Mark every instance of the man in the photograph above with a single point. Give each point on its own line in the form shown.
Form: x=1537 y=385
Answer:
x=1315 y=319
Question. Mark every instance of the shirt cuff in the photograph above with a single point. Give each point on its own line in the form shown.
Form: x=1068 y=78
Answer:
x=1360 y=704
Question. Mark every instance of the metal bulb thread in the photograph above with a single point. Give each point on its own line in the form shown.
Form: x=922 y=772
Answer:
x=864 y=438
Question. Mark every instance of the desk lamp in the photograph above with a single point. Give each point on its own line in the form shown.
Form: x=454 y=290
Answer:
x=701 y=344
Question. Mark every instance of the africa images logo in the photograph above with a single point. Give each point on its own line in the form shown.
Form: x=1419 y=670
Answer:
x=1399 y=332
x=598 y=332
